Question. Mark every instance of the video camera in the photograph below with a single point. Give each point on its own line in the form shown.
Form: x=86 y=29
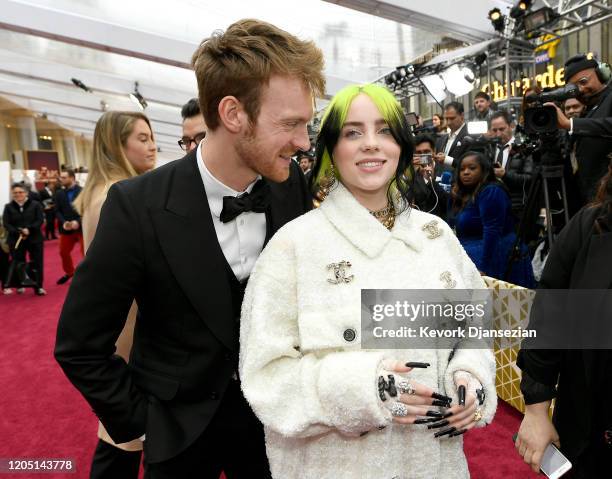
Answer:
x=540 y=119
x=476 y=140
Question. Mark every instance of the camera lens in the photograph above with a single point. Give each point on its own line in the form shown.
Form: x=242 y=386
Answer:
x=541 y=118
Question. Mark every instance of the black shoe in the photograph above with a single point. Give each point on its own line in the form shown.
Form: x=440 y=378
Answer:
x=63 y=279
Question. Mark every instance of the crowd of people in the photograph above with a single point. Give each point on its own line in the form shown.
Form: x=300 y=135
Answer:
x=191 y=342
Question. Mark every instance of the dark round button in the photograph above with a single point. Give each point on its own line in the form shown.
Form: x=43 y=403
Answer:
x=227 y=356
x=349 y=335
x=214 y=395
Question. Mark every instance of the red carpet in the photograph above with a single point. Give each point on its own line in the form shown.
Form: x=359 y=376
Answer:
x=42 y=415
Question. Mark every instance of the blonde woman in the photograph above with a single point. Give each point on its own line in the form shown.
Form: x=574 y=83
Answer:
x=124 y=147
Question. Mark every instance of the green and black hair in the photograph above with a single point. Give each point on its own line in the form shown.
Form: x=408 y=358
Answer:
x=331 y=126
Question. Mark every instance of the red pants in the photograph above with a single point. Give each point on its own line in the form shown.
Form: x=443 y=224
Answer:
x=66 y=244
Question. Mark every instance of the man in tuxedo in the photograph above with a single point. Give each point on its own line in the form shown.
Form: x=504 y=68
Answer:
x=182 y=240
x=450 y=146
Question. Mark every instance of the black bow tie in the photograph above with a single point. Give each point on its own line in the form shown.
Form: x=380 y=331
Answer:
x=256 y=200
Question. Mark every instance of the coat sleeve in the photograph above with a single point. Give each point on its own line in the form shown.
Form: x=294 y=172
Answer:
x=295 y=393
x=39 y=217
x=543 y=365
x=59 y=206
x=471 y=355
x=94 y=314
x=520 y=177
x=592 y=126
x=7 y=221
x=491 y=205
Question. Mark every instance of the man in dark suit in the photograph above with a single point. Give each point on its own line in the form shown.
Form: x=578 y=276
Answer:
x=593 y=132
x=514 y=169
x=450 y=146
x=70 y=229
x=46 y=198
x=182 y=240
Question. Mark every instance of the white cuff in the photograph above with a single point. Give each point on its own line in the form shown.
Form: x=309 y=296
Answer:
x=448 y=160
x=571 y=130
x=142 y=438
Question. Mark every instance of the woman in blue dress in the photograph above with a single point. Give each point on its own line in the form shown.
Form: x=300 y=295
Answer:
x=483 y=221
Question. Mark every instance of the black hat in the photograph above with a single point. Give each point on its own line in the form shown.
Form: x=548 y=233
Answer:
x=577 y=64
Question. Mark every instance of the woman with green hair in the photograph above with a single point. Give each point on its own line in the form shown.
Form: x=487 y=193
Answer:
x=330 y=408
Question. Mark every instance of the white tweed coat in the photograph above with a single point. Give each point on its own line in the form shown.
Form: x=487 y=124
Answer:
x=314 y=391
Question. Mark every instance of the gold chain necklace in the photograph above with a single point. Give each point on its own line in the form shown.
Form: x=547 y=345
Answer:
x=386 y=216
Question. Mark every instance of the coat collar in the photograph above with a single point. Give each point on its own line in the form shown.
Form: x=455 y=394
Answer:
x=359 y=227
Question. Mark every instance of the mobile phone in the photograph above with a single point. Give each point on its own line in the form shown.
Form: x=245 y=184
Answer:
x=554 y=464
x=424 y=159
x=412 y=118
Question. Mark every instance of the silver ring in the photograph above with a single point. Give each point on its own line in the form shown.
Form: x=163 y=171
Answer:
x=399 y=409
x=406 y=388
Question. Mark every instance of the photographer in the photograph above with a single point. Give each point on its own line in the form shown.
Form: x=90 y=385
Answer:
x=428 y=194
x=514 y=169
x=593 y=132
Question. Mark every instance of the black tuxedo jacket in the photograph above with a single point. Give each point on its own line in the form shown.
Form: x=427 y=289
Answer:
x=457 y=148
x=156 y=243
x=593 y=135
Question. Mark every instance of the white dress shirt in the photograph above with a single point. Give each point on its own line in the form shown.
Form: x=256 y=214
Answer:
x=241 y=239
x=448 y=160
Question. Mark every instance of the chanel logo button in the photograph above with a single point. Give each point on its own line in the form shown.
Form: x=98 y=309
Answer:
x=349 y=335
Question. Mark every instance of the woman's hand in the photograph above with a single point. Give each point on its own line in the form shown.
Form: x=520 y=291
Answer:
x=535 y=434
x=466 y=414
x=414 y=400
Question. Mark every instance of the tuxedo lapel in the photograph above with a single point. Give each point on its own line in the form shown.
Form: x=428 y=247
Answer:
x=283 y=206
x=188 y=240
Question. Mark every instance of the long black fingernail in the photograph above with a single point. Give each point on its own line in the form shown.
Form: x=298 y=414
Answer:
x=445 y=431
x=457 y=433
x=434 y=414
x=417 y=365
x=442 y=397
x=438 y=425
x=392 y=389
x=461 y=395
x=437 y=402
x=448 y=414
x=426 y=421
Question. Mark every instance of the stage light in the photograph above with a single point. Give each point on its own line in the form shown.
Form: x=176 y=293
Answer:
x=539 y=18
x=81 y=85
x=459 y=81
x=435 y=88
x=520 y=8
x=401 y=71
x=137 y=98
x=497 y=19
x=480 y=59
